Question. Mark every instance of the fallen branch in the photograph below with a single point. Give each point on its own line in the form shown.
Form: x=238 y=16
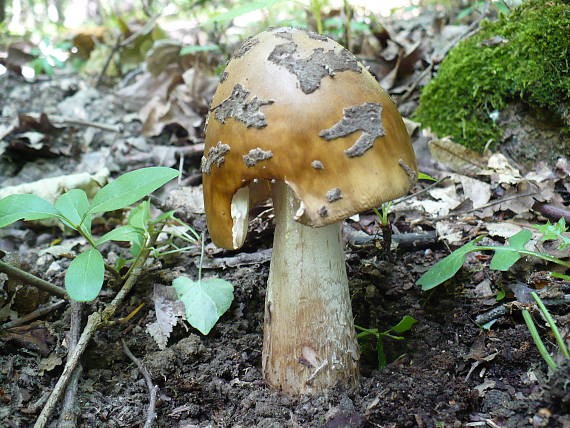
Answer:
x=33 y=280
x=70 y=410
x=38 y=313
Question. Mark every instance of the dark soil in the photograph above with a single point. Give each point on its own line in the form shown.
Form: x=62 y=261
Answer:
x=447 y=372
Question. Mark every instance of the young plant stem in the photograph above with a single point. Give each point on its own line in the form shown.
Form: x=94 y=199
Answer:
x=94 y=322
x=552 y=325
x=537 y=340
x=201 y=260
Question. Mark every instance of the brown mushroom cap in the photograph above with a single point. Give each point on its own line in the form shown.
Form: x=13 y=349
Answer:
x=298 y=107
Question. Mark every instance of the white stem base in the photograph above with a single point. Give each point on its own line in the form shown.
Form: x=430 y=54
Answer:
x=309 y=341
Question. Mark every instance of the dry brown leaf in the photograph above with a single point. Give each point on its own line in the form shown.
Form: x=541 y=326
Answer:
x=168 y=311
x=455 y=156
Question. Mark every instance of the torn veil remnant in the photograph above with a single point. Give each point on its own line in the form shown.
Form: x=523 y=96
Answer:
x=245 y=47
x=237 y=107
x=334 y=195
x=215 y=157
x=311 y=70
x=256 y=155
x=328 y=144
x=366 y=118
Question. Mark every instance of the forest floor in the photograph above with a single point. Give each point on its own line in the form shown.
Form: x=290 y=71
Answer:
x=448 y=371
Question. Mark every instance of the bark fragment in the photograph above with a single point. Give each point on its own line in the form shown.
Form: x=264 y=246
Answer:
x=365 y=117
x=316 y=36
x=237 y=107
x=311 y=70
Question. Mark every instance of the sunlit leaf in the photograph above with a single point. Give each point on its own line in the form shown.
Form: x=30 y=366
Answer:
x=130 y=187
x=25 y=207
x=205 y=301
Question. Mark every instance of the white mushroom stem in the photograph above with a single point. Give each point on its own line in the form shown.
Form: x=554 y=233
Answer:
x=309 y=341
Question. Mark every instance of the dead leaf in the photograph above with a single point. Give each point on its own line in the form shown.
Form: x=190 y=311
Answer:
x=168 y=311
x=51 y=188
x=49 y=363
x=477 y=191
x=455 y=156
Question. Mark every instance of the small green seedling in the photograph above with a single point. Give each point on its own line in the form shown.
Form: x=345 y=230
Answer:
x=503 y=259
x=204 y=300
x=85 y=275
x=536 y=337
x=405 y=324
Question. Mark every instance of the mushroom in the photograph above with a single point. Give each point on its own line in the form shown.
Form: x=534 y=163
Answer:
x=297 y=112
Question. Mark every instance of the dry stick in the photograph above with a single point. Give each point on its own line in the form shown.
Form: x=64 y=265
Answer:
x=490 y=204
x=30 y=279
x=152 y=389
x=70 y=411
x=95 y=320
x=552 y=212
x=38 y=313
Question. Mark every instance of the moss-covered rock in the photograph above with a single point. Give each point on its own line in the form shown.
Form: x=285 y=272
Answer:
x=524 y=56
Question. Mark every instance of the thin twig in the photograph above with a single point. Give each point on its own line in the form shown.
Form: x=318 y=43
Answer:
x=424 y=190
x=38 y=313
x=94 y=321
x=490 y=204
x=152 y=389
x=80 y=122
x=30 y=279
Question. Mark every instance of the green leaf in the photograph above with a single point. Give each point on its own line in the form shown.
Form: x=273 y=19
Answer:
x=405 y=324
x=85 y=275
x=551 y=232
x=205 y=301
x=504 y=258
x=193 y=49
x=169 y=215
x=130 y=187
x=25 y=207
x=137 y=245
x=140 y=215
x=560 y=275
x=447 y=267
x=246 y=7
x=122 y=233
x=422 y=176
x=73 y=205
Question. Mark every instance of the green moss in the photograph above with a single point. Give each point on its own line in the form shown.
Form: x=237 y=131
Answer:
x=523 y=56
